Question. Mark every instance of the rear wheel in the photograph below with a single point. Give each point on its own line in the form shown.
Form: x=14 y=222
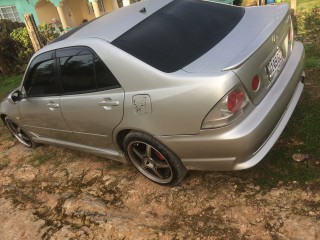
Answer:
x=20 y=134
x=154 y=160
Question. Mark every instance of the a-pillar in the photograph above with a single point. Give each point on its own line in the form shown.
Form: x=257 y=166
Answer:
x=96 y=9
x=126 y=2
x=62 y=16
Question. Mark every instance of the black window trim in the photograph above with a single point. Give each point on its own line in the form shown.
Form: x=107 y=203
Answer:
x=57 y=71
x=94 y=54
x=33 y=66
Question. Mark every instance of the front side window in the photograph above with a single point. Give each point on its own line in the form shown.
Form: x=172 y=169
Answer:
x=77 y=73
x=42 y=79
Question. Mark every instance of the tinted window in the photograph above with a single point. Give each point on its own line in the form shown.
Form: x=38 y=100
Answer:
x=77 y=73
x=179 y=33
x=104 y=77
x=42 y=80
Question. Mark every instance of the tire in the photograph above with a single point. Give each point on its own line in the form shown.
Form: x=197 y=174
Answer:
x=19 y=133
x=154 y=160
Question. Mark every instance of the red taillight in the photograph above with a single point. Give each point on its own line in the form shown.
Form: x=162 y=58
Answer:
x=235 y=100
x=255 y=83
x=230 y=108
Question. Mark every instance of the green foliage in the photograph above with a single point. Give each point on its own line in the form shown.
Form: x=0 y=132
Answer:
x=22 y=43
x=48 y=33
x=7 y=84
x=300 y=136
x=9 y=59
x=312 y=56
x=7 y=26
x=16 y=47
x=308 y=25
x=308 y=31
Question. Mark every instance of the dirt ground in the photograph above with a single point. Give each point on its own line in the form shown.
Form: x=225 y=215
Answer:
x=56 y=193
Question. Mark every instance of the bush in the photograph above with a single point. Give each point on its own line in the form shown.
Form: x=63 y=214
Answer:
x=16 y=47
x=22 y=43
x=48 y=33
x=9 y=59
x=308 y=26
x=308 y=31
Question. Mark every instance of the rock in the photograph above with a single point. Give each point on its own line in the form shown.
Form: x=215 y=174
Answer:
x=26 y=173
x=92 y=175
x=298 y=157
x=86 y=206
x=18 y=224
x=108 y=180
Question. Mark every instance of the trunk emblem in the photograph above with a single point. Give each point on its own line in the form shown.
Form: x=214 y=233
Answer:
x=275 y=38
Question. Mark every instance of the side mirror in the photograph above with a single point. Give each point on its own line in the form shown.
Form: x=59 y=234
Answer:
x=15 y=97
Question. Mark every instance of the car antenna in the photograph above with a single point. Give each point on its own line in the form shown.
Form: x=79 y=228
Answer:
x=143 y=10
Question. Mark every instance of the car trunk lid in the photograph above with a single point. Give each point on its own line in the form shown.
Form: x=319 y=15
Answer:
x=252 y=49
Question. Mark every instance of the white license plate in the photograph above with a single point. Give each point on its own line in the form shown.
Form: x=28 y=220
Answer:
x=275 y=64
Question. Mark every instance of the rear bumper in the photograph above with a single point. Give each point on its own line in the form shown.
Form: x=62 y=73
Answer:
x=246 y=142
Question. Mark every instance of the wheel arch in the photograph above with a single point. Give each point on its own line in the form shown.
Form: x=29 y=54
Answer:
x=120 y=136
x=3 y=116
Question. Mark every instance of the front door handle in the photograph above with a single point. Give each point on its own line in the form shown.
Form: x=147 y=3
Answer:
x=108 y=103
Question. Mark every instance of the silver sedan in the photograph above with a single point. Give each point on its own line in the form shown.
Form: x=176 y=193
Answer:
x=167 y=85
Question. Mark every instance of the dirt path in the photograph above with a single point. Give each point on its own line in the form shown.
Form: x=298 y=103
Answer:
x=54 y=193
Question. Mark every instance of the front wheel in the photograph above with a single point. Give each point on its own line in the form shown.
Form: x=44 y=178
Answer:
x=20 y=134
x=154 y=160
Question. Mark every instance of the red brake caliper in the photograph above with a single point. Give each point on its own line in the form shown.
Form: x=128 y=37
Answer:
x=159 y=155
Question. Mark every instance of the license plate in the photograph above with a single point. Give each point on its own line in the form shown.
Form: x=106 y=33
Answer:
x=275 y=64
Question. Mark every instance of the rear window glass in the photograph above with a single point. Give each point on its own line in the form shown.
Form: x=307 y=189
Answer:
x=179 y=33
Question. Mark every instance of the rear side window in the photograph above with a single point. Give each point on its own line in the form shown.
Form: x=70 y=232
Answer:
x=81 y=70
x=77 y=73
x=104 y=76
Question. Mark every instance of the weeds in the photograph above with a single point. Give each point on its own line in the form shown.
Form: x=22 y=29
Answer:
x=4 y=164
x=42 y=158
x=7 y=84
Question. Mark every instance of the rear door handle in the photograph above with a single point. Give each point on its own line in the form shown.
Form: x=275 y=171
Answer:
x=52 y=105
x=108 y=103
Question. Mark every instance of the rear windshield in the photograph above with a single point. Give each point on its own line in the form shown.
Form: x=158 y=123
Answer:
x=179 y=33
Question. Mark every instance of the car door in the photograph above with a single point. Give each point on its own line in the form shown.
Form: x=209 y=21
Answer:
x=40 y=108
x=92 y=99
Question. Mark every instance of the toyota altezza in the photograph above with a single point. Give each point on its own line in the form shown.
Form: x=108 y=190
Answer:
x=168 y=85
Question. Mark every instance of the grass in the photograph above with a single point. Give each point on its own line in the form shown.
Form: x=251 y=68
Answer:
x=312 y=56
x=7 y=84
x=300 y=136
x=4 y=164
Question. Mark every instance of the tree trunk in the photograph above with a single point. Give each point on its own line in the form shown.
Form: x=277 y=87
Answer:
x=33 y=32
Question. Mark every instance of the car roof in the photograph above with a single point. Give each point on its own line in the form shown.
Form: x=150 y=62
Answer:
x=166 y=34
x=114 y=24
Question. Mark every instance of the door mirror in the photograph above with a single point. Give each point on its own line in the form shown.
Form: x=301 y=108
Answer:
x=15 y=97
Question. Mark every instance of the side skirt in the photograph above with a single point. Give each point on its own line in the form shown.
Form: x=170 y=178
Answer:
x=107 y=153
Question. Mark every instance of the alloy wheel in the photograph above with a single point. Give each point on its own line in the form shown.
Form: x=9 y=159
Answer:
x=19 y=134
x=150 y=162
